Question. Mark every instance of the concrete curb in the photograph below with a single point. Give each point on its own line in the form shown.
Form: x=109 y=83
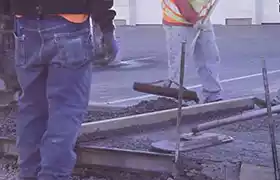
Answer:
x=166 y=115
x=103 y=107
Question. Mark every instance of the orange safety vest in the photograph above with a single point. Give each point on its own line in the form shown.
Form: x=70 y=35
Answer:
x=172 y=15
x=74 y=18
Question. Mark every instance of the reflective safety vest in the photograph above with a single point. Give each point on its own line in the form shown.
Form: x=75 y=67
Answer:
x=172 y=15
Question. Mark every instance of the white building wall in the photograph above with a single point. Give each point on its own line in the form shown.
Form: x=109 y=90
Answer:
x=149 y=11
x=122 y=8
x=234 y=9
x=271 y=11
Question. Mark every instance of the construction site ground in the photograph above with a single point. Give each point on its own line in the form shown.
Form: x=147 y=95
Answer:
x=241 y=47
x=251 y=146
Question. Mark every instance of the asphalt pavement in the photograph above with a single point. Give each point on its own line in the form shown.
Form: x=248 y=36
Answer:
x=145 y=60
x=144 y=55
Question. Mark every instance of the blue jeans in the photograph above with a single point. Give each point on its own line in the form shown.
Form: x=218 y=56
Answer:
x=53 y=64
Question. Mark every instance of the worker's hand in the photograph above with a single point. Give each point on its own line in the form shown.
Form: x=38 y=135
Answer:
x=204 y=26
x=107 y=49
x=110 y=46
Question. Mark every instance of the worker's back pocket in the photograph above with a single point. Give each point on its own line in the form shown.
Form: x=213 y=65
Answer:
x=74 y=49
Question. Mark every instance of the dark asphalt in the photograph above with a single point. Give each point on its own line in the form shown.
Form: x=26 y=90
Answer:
x=241 y=48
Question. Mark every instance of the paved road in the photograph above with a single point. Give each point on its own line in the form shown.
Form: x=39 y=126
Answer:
x=143 y=48
x=241 y=47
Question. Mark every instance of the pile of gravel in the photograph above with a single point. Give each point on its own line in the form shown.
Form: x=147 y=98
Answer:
x=7 y=124
x=140 y=108
x=7 y=128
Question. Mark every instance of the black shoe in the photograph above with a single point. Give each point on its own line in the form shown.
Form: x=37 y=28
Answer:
x=211 y=101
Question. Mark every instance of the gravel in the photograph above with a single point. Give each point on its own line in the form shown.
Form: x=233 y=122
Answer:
x=7 y=125
x=7 y=129
x=210 y=171
x=140 y=108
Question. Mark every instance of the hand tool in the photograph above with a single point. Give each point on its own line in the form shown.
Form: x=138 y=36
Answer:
x=271 y=121
x=181 y=89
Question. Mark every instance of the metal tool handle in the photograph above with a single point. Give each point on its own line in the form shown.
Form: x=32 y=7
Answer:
x=181 y=87
x=179 y=111
x=203 y=21
x=271 y=121
x=233 y=119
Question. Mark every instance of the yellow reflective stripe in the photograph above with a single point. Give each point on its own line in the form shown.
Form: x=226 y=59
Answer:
x=172 y=6
x=171 y=15
x=171 y=10
x=166 y=4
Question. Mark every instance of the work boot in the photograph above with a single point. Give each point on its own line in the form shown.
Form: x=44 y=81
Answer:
x=211 y=96
x=167 y=83
x=212 y=100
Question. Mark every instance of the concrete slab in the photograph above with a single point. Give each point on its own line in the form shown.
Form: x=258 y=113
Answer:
x=250 y=172
x=166 y=115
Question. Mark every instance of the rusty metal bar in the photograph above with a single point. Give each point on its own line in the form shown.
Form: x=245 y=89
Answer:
x=92 y=156
x=125 y=159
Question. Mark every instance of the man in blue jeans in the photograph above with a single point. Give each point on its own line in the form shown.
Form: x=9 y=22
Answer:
x=104 y=55
x=53 y=55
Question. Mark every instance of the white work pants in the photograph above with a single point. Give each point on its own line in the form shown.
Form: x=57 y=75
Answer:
x=205 y=55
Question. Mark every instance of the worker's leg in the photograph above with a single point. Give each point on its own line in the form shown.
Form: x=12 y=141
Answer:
x=207 y=60
x=68 y=89
x=33 y=108
x=175 y=35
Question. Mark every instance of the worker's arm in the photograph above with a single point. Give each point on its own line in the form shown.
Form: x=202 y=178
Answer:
x=103 y=15
x=187 y=11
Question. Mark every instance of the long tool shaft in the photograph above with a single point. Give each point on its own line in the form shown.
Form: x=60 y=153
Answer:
x=181 y=85
x=245 y=116
x=179 y=112
x=271 y=121
x=204 y=20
